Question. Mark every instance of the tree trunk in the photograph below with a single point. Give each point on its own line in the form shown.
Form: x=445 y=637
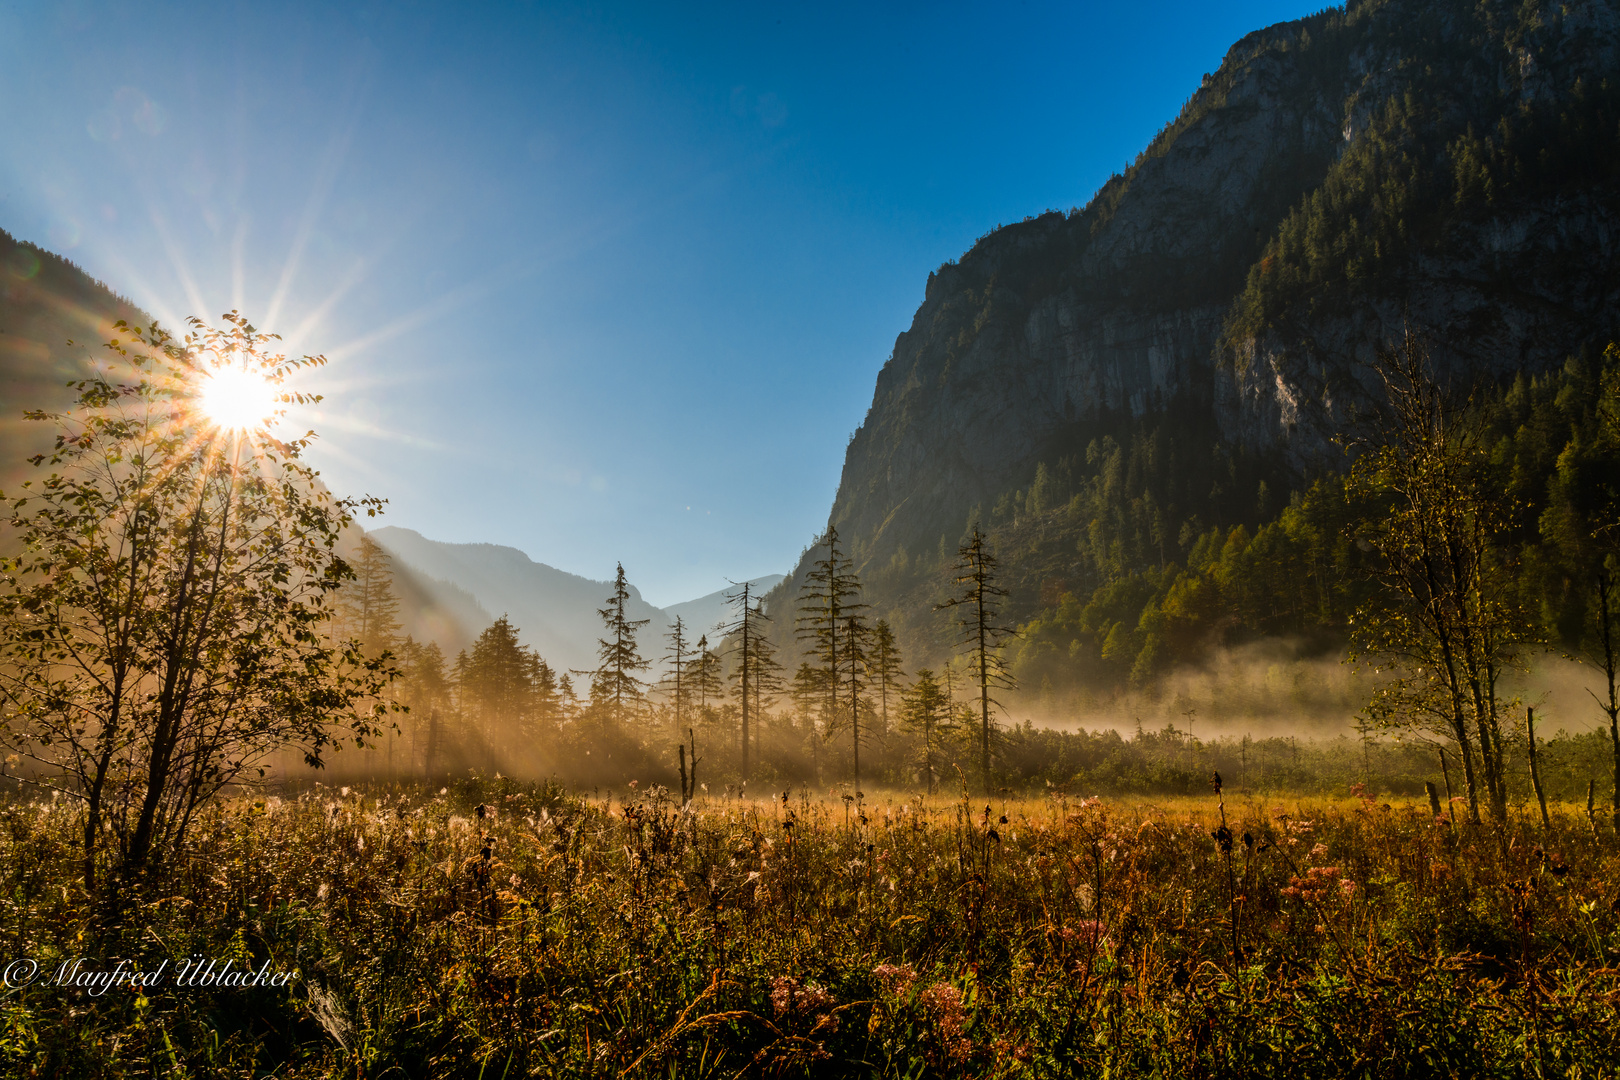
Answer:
x=1535 y=769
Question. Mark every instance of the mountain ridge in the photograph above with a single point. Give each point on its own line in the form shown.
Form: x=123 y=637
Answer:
x=555 y=611
x=1439 y=163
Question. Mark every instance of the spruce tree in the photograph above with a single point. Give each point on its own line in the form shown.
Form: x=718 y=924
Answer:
x=829 y=595
x=981 y=631
x=704 y=677
x=926 y=710
x=852 y=674
x=498 y=687
x=424 y=688
x=767 y=681
x=367 y=608
x=886 y=673
x=614 y=683
x=678 y=658
x=745 y=631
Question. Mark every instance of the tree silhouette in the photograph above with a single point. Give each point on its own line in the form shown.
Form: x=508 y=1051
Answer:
x=927 y=711
x=828 y=595
x=424 y=689
x=982 y=633
x=852 y=674
x=504 y=687
x=886 y=673
x=614 y=683
x=767 y=680
x=679 y=659
x=367 y=609
x=704 y=676
x=745 y=629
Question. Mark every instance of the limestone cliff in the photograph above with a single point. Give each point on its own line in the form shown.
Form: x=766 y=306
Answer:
x=1439 y=162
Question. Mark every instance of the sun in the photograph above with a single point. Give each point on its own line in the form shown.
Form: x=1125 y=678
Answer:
x=238 y=399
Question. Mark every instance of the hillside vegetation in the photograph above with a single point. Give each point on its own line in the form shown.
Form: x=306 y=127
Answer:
x=510 y=930
x=1147 y=400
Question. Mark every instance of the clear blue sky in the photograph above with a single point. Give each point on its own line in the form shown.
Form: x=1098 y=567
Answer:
x=601 y=282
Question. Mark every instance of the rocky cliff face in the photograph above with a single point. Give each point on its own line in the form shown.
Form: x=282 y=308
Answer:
x=1313 y=195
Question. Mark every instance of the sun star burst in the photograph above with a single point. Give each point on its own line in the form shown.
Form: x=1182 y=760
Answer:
x=234 y=398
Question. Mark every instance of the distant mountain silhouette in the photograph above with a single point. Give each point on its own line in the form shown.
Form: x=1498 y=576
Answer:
x=555 y=611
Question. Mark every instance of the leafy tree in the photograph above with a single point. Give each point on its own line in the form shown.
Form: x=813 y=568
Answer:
x=982 y=633
x=1440 y=626
x=1581 y=525
x=163 y=630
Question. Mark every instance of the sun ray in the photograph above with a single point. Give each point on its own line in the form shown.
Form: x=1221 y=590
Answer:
x=325 y=179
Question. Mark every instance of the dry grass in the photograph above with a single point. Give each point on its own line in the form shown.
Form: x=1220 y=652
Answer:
x=830 y=937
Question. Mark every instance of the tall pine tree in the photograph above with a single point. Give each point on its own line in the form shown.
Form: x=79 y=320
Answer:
x=679 y=686
x=614 y=683
x=886 y=673
x=830 y=593
x=744 y=629
x=367 y=609
x=982 y=632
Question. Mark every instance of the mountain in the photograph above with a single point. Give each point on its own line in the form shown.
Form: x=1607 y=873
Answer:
x=555 y=611
x=1177 y=354
x=46 y=302
x=703 y=615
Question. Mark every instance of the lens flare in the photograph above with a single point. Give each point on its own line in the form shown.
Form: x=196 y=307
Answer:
x=238 y=399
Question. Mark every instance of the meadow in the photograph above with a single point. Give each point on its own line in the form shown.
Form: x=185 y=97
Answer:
x=492 y=928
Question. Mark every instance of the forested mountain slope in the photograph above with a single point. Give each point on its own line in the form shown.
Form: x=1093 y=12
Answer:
x=1113 y=389
x=45 y=302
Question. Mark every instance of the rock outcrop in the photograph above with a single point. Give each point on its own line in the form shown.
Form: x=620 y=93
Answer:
x=1315 y=194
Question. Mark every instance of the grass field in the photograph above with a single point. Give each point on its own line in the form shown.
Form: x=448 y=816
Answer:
x=549 y=934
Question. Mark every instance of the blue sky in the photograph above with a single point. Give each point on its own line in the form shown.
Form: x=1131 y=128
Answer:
x=600 y=282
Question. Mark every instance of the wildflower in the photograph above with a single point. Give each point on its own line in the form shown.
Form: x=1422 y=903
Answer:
x=789 y=996
x=896 y=978
x=1087 y=930
x=1347 y=887
x=944 y=1004
x=1318 y=851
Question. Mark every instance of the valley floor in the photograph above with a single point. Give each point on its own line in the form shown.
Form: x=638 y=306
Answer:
x=499 y=929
